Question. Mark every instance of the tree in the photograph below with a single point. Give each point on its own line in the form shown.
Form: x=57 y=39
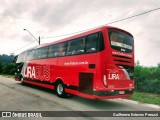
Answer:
x=147 y=79
x=6 y=64
x=158 y=65
x=137 y=63
x=1 y=65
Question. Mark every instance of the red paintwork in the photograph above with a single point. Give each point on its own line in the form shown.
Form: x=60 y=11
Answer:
x=103 y=60
x=39 y=84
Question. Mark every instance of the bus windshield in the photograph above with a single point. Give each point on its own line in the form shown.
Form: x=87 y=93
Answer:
x=120 y=41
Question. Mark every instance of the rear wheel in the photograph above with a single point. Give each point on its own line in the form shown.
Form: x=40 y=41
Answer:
x=60 y=90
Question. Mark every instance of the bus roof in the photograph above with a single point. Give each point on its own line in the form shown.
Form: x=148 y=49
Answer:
x=86 y=32
x=81 y=34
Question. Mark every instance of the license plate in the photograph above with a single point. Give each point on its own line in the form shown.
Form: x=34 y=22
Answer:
x=121 y=92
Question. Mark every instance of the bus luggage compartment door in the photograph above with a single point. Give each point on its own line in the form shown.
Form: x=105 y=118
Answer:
x=86 y=83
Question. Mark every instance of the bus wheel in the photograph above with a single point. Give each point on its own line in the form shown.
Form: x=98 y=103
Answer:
x=60 y=90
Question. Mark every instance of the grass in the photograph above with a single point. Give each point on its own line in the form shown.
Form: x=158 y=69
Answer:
x=149 y=98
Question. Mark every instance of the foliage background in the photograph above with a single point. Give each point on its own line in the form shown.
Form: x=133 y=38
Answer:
x=147 y=79
x=7 y=66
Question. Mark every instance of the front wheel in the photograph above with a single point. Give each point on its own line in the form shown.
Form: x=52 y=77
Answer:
x=60 y=90
x=21 y=80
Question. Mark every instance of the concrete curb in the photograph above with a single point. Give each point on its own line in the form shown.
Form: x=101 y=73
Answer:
x=145 y=104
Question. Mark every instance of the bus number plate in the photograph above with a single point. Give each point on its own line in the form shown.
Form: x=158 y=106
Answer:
x=121 y=92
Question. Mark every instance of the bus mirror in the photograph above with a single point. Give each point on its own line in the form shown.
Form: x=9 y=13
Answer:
x=15 y=58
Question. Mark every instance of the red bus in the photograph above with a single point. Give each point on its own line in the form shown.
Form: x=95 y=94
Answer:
x=95 y=64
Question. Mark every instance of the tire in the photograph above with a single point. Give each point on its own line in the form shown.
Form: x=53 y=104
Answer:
x=60 y=90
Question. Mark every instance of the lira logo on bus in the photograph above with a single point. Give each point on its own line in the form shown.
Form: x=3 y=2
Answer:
x=113 y=76
x=37 y=72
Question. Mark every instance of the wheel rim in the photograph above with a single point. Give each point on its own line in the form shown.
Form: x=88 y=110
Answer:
x=60 y=89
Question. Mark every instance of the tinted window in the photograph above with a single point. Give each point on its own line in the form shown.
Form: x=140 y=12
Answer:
x=120 y=41
x=100 y=42
x=57 y=50
x=41 y=53
x=21 y=58
x=62 y=48
x=76 y=46
x=91 y=43
x=30 y=54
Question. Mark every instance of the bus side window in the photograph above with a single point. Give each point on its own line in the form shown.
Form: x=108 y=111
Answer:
x=62 y=49
x=53 y=51
x=44 y=52
x=69 y=49
x=38 y=55
x=76 y=46
x=91 y=43
x=30 y=54
x=57 y=50
x=100 y=42
x=81 y=45
x=50 y=51
x=41 y=53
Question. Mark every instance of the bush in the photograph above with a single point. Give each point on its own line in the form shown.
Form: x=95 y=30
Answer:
x=7 y=68
x=147 y=79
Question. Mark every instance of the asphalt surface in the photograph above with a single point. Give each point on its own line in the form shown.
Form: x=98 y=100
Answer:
x=17 y=97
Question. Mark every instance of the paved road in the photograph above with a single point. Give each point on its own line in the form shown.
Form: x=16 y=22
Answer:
x=17 y=97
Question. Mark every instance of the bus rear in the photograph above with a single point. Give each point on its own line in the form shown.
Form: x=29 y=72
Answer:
x=118 y=60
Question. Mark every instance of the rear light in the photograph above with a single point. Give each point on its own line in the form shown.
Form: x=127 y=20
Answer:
x=104 y=80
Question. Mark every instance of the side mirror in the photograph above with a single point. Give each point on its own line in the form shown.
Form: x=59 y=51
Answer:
x=15 y=58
